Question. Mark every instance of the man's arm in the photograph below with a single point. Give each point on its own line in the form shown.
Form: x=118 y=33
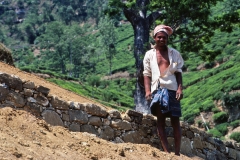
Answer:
x=179 y=93
x=147 y=85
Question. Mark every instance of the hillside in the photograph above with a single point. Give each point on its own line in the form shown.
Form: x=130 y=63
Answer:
x=24 y=136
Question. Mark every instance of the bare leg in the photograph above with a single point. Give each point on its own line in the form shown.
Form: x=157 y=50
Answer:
x=161 y=130
x=177 y=134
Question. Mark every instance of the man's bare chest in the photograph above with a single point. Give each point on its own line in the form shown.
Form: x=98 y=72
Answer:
x=162 y=59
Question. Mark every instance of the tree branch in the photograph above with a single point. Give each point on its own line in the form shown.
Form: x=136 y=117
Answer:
x=153 y=16
x=130 y=15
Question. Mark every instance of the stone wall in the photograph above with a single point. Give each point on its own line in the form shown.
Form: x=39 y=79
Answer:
x=110 y=125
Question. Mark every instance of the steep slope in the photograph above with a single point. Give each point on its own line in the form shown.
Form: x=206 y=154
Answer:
x=23 y=136
x=54 y=89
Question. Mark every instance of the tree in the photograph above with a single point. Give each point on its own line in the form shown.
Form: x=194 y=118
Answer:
x=9 y=18
x=108 y=39
x=65 y=47
x=190 y=20
x=52 y=41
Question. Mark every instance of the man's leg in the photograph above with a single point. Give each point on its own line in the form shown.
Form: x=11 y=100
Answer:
x=161 y=129
x=176 y=133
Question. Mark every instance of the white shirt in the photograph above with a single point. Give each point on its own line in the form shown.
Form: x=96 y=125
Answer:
x=168 y=78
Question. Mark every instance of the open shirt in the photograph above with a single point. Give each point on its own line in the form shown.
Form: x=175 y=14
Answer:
x=168 y=78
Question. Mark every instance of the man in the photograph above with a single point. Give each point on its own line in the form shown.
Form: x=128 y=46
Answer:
x=162 y=66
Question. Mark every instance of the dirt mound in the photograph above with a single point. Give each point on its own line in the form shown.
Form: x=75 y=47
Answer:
x=23 y=136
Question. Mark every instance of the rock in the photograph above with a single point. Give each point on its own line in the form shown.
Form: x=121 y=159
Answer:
x=171 y=143
x=59 y=104
x=75 y=105
x=143 y=130
x=74 y=127
x=114 y=114
x=42 y=100
x=186 y=146
x=31 y=99
x=134 y=113
x=11 y=81
x=106 y=122
x=17 y=99
x=126 y=117
x=121 y=124
x=147 y=122
x=234 y=153
x=208 y=145
x=189 y=134
x=45 y=91
x=95 y=110
x=52 y=118
x=3 y=93
x=132 y=136
x=95 y=121
x=28 y=92
x=107 y=133
x=29 y=85
x=65 y=117
x=35 y=108
x=88 y=128
x=118 y=140
x=78 y=116
x=197 y=143
x=169 y=131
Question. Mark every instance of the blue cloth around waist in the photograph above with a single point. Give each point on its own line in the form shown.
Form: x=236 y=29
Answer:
x=166 y=100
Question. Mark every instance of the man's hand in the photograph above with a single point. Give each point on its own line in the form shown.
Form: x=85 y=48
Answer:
x=148 y=96
x=179 y=94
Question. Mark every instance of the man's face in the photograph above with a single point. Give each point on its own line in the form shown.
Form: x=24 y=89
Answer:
x=161 y=39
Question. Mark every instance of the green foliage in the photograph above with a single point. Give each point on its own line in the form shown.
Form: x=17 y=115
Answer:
x=235 y=136
x=232 y=99
x=235 y=123
x=108 y=39
x=215 y=133
x=216 y=110
x=220 y=117
x=108 y=96
x=222 y=128
x=94 y=81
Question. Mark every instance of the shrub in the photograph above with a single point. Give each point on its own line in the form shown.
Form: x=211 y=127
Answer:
x=220 y=117
x=190 y=120
x=235 y=136
x=222 y=128
x=232 y=99
x=215 y=133
x=216 y=110
x=235 y=123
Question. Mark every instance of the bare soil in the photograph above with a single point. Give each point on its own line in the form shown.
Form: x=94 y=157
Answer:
x=24 y=136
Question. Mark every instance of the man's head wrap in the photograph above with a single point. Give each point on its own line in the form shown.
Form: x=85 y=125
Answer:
x=162 y=28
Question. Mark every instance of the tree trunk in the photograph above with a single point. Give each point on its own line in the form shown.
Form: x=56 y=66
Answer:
x=141 y=37
x=141 y=25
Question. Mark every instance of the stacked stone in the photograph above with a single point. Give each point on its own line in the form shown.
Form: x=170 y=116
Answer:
x=110 y=125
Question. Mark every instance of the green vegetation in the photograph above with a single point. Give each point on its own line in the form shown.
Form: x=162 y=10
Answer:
x=235 y=136
x=215 y=133
x=110 y=93
x=220 y=117
x=235 y=123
